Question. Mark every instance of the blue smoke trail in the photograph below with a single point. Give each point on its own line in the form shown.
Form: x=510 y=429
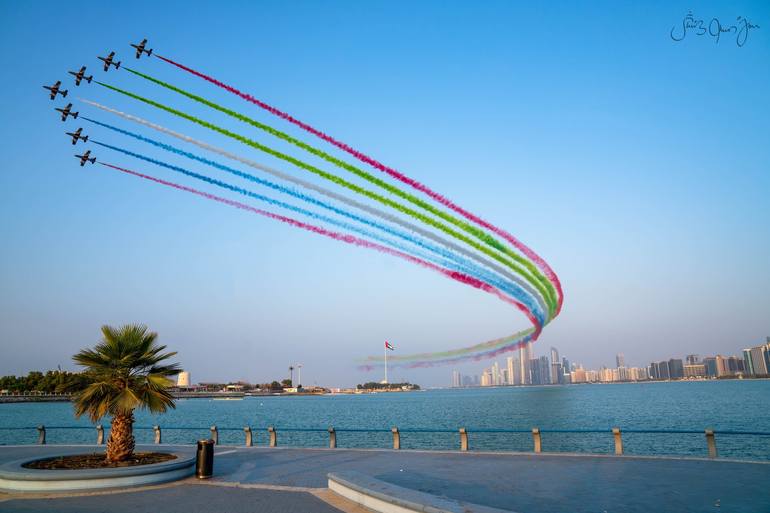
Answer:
x=456 y=263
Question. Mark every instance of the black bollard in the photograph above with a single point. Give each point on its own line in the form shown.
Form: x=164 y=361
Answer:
x=204 y=462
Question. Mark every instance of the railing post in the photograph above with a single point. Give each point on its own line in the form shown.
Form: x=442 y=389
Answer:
x=536 y=439
x=712 y=443
x=618 y=441
x=396 y=438
x=99 y=434
x=463 y=439
x=332 y=438
x=156 y=429
x=215 y=435
x=41 y=434
x=273 y=436
x=249 y=441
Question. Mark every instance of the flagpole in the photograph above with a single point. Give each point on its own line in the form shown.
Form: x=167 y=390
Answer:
x=386 y=363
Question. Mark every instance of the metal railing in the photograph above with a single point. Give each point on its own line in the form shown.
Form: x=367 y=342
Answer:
x=465 y=434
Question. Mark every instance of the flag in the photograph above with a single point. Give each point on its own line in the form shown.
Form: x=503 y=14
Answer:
x=388 y=345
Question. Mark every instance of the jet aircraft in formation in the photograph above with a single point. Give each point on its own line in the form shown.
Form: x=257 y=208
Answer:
x=108 y=61
x=76 y=136
x=140 y=49
x=66 y=112
x=55 y=90
x=85 y=158
x=80 y=75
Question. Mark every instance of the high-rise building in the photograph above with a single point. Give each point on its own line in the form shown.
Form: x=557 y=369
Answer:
x=509 y=369
x=620 y=360
x=710 y=363
x=555 y=367
x=663 y=371
x=183 y=379
x=486 y=378
x=692 y=359
x=516 y=372
x=759 y=360
x=525 y=357
x=675 y=368
x=654 y=371
x=541 y=370
x=694 y=370
x=456 y=379
x=496 y=374
x=735 y=365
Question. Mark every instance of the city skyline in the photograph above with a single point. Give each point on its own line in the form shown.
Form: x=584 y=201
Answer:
x=524 y=369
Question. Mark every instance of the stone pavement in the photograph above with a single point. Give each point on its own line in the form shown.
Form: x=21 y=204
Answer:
x=282 y=479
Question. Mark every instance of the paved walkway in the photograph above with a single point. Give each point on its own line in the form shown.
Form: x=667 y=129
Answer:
x=284 y=479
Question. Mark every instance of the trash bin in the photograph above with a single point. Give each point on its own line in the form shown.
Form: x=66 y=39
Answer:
x=204 y=462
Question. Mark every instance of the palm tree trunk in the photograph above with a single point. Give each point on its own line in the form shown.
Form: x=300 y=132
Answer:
x=120 y=444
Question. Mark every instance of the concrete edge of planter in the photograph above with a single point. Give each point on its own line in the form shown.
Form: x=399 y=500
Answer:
x=15 y=478
x=383 y=497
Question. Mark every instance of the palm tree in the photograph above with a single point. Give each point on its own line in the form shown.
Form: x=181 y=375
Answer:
x=126 y=373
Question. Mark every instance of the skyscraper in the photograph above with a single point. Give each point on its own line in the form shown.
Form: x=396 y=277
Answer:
x=496 y=374
x=663 y=371
x=675 y=368
x=511 y=373
x=555 y=366
x=456 y=380
x=620 y=360
x=525 y=355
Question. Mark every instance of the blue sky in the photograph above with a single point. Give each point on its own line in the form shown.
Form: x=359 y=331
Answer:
x=637 y=166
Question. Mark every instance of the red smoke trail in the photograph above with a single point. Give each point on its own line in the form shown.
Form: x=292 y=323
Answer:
x=350 y=239
x=542 y=264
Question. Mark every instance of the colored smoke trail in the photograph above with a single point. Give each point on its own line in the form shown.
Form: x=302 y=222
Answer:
x=534 y=314
x=332 y=195
x=349 y=239
x=349 y=185
x=539 y=261
x=468 y=228
x=475 y=352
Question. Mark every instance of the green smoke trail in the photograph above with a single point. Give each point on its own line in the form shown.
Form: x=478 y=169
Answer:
x=546 y=292
x=467 y=227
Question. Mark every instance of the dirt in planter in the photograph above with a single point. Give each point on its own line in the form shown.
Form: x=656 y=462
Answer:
x=96 y=460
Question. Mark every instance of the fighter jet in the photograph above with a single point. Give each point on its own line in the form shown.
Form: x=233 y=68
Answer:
x=76 y=136
x=140 y=49
x=80 y=75
x=66 y=112
x=84 y=158
x=108 y=61
x=55 y=90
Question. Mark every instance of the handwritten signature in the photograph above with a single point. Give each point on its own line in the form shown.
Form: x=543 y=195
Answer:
x=715 y=29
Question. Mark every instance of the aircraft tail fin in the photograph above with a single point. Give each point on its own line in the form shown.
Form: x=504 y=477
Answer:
x=64 y=94
x=93 y=160
x=90 y=78
x=85 y=139
x=75 y=115
x=149 y=53
x=117 y=66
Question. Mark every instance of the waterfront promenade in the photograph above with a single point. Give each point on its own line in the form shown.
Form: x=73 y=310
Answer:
x=251 y=479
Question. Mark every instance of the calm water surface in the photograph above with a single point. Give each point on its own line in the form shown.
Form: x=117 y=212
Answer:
x=721 y=405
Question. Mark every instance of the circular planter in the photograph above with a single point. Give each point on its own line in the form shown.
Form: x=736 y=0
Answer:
x=15 y=478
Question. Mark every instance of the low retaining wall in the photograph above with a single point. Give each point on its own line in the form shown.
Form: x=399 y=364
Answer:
x=382 y=497
x=15 y=478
